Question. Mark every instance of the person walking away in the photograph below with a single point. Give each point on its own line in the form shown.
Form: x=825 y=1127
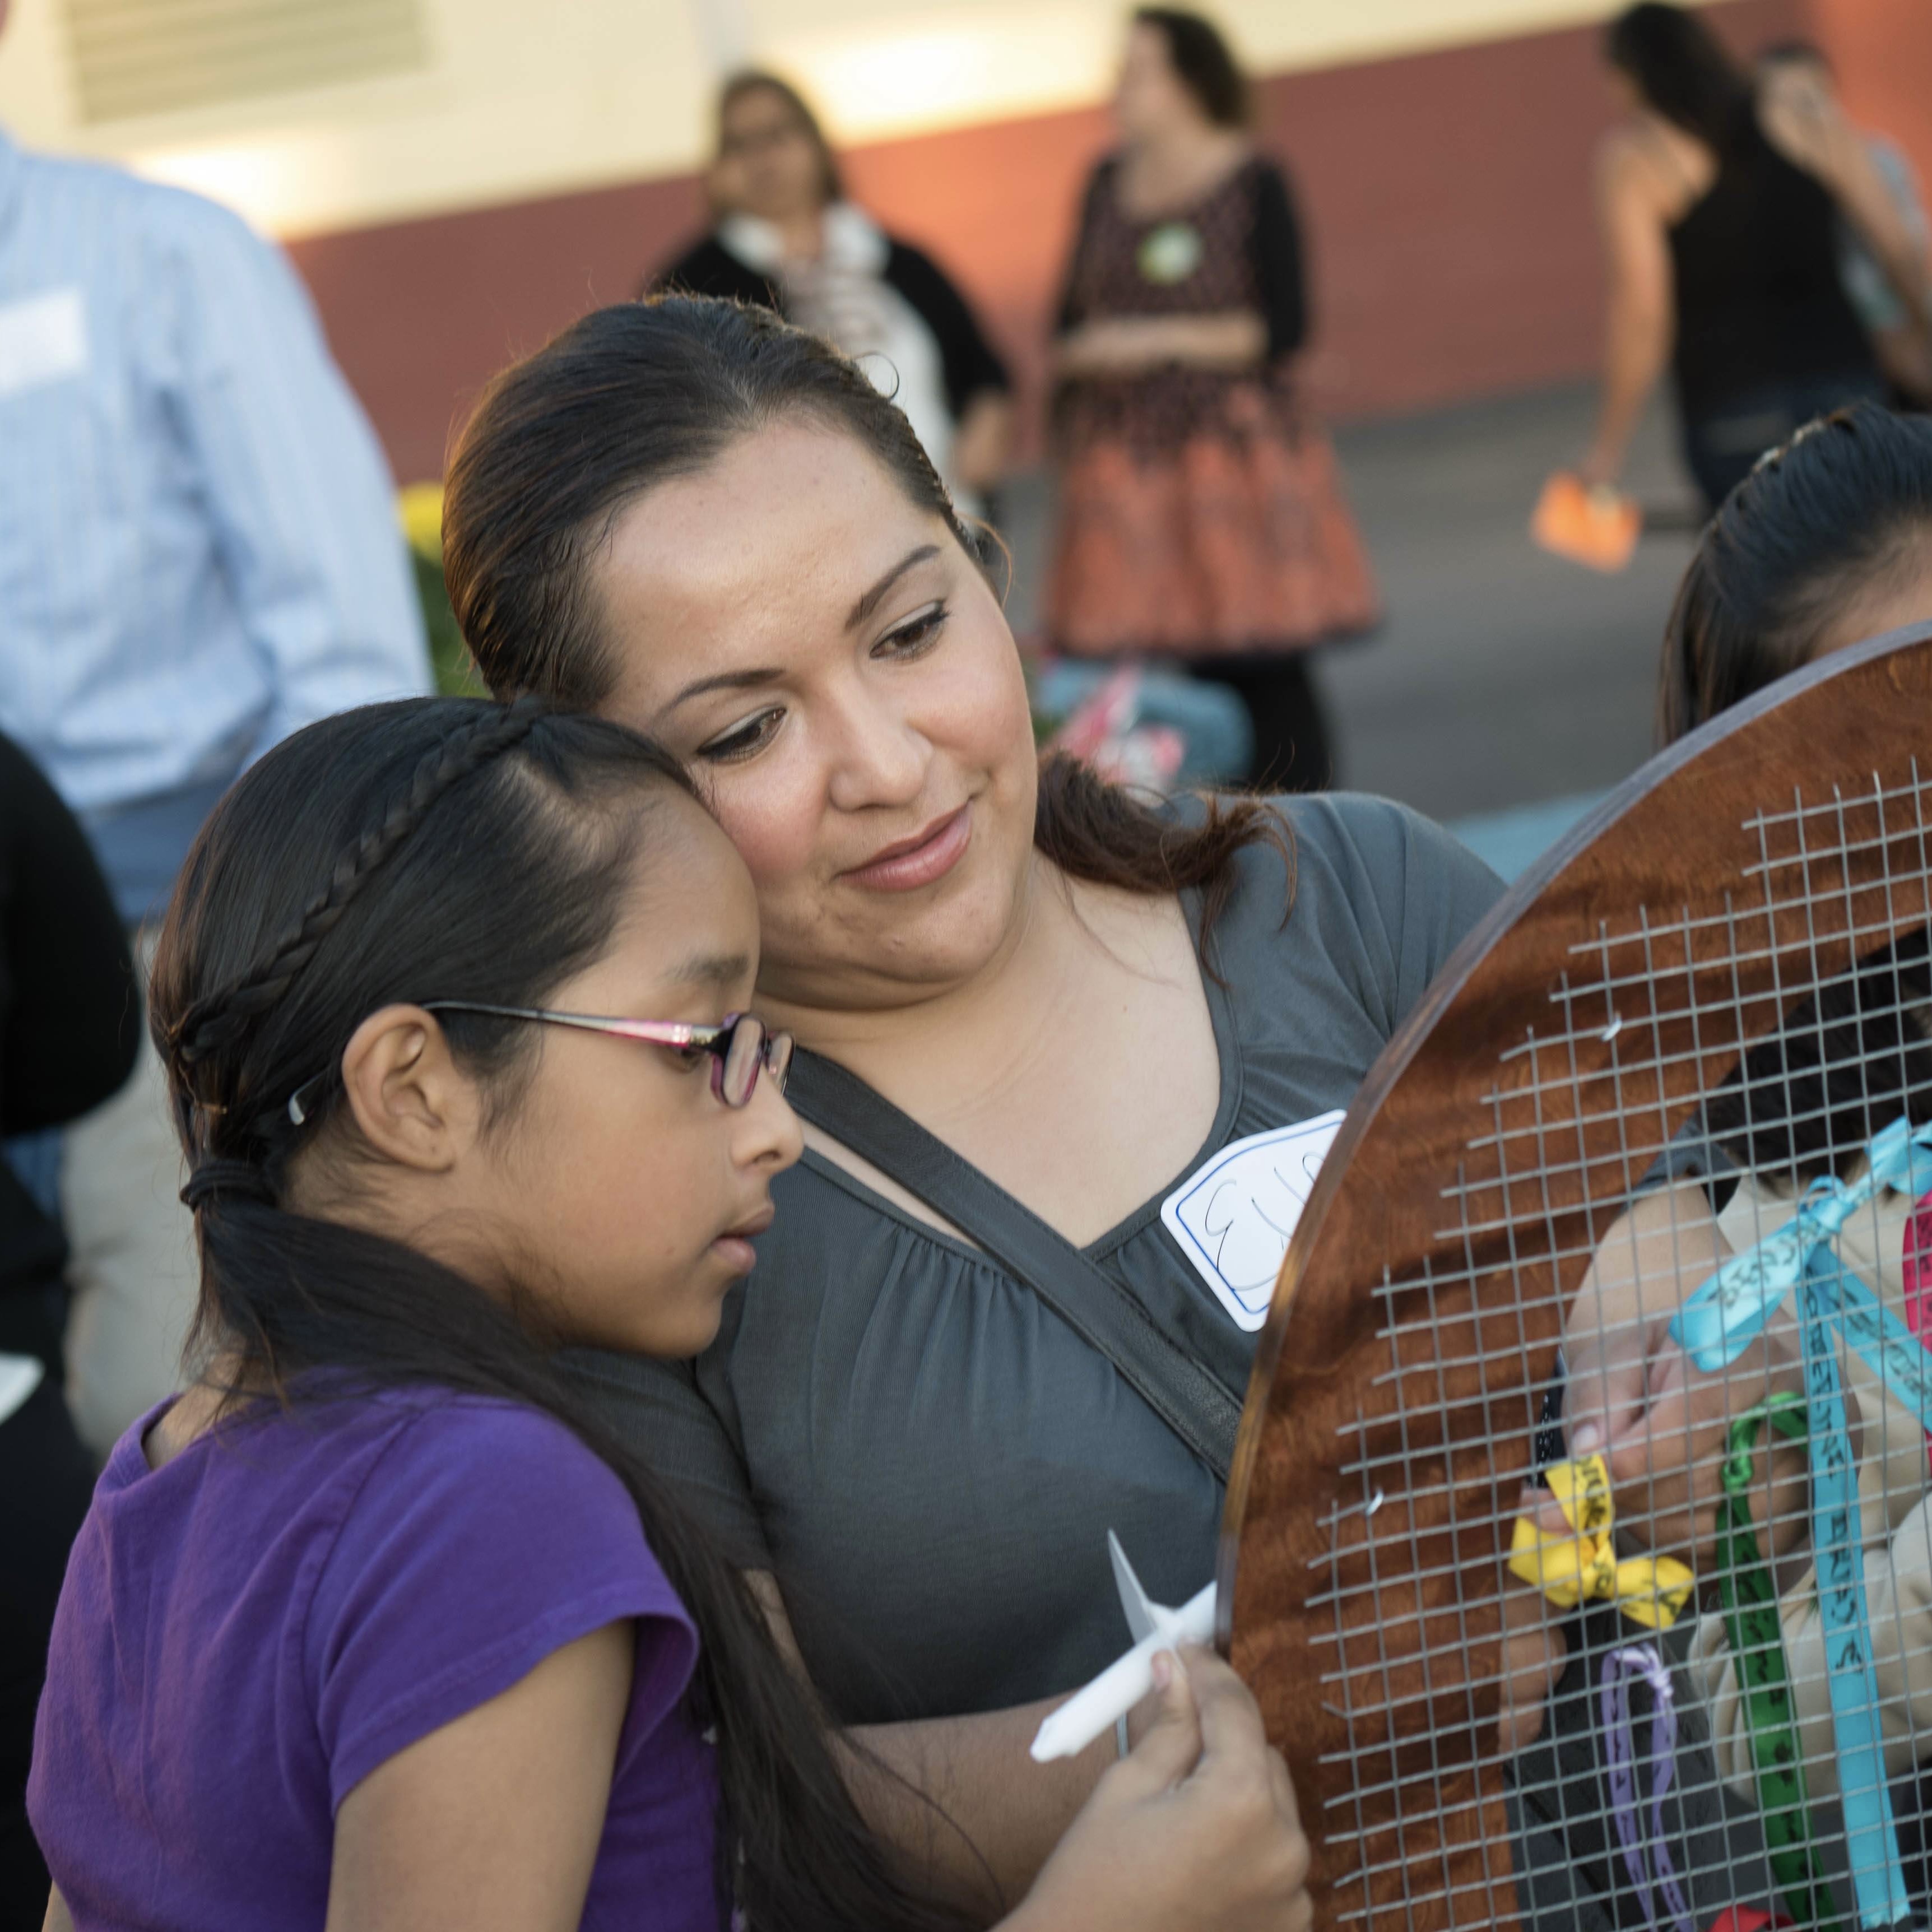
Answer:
x=199 y=553
x=1799 y=77
x=785 y=236
x=68 y=1024
x=1720 y=209
x=1200 y=513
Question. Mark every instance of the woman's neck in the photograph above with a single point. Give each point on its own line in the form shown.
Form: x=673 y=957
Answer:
x=802 y=235
x=1181 y=163
x=966 y=1038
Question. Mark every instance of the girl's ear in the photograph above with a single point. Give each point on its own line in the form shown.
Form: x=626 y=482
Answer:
x=413 y=1105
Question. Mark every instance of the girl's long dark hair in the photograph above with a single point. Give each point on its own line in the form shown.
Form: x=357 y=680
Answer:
x=1818 y=522
x=635 y=395
x=455 y=849
x=1682 y=71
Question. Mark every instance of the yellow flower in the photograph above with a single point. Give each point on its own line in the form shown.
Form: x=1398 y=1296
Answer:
x=420 y=507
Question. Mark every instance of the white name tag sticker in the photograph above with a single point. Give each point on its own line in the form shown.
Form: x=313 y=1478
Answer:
x=43 y=340
x=1233 y=1216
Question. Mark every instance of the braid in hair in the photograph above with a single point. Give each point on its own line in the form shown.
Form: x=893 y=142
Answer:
x=219 y=1019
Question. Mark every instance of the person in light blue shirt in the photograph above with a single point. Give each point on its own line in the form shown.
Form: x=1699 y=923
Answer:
x=199 y=548
x=198 y=554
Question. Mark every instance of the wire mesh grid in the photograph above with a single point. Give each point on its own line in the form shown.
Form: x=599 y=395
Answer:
x=1647 y=1776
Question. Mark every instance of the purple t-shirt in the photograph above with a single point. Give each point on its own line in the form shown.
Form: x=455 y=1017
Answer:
x=248 y=1631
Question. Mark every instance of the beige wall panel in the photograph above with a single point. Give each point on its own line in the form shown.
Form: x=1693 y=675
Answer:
x=522 y=100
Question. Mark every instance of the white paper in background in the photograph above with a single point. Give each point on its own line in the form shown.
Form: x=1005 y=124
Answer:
x=42 y=339
x=1233 y=1215
x=19 y=1376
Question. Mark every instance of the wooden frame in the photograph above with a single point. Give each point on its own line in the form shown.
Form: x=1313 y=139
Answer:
x=1418 y=1310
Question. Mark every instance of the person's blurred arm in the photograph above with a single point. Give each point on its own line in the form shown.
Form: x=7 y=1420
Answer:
x=1130 y=345
x=73 y=1018
x=1280 y=274
x=982 y=445
x=1637 y=325
x=1811 y=129
x=297 y=489
x=978 y=389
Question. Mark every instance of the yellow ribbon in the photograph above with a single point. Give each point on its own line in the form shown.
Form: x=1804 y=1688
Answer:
x=1650 y=1590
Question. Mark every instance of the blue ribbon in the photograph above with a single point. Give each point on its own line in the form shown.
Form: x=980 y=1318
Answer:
x=1715 y=1327
x=1728 y=1312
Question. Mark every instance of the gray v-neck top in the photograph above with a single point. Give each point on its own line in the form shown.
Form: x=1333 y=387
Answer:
x=930 y=1460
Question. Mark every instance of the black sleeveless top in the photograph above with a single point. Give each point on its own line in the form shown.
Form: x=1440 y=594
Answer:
x=1758 y=300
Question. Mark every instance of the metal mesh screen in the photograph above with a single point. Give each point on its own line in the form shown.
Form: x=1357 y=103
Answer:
x=1746 y=1732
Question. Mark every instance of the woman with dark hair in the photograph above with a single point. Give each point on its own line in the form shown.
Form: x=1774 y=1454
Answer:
x=785 y=236
x=1201 y=514
x=1828 y=541
x=1033 y=1012
x=1721 y=210
x=377 y=1625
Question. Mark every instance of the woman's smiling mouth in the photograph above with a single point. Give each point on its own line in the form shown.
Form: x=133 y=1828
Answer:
x=918 y=861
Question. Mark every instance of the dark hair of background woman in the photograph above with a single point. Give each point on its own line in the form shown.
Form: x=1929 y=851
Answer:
x=1203 y=62
x=635 y=395
x=755 y=80
x=1682 y=70
x=1817 y=524
x=449 y=849
x=1820 y=520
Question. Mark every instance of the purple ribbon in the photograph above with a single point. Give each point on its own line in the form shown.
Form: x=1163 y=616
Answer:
x=1647 y=1861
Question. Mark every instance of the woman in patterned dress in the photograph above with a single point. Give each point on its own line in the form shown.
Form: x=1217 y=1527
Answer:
x=1201 y=514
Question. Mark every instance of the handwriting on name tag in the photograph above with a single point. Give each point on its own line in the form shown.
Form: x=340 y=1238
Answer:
x=1234 y=1216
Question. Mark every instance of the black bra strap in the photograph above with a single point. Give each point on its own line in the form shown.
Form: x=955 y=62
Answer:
x=1183 y=1393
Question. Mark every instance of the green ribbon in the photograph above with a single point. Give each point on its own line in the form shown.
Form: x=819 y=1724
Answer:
x=1750 y=1599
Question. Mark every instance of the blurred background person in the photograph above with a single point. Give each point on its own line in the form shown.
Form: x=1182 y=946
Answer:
x=1828 y=542
x=1201 y=514
x=69 y=1021
x=199 y=553
x=1797 y=75
x=784 y=235
x=1720 y=208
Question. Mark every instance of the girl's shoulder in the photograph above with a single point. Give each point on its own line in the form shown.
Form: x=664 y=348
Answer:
x=354 y=1469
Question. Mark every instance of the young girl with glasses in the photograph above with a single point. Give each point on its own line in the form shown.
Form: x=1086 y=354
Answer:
x=376 y=1627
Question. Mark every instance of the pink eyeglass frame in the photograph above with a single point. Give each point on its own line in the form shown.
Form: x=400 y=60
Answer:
x=774 y=1053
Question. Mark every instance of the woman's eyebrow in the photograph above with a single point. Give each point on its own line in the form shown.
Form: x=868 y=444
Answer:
x=725 y=680
x=868 y=603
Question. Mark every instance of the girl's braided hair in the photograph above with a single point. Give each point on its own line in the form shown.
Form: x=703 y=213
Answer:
x=220 y=1019
x=454 y=849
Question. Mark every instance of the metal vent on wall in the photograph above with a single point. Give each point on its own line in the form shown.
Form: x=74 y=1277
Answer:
x=143 y=57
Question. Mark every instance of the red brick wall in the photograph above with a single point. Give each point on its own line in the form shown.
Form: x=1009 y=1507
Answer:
x=1446 y=197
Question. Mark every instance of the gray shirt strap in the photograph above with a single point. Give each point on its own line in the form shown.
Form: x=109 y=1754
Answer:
x=1186 y=1395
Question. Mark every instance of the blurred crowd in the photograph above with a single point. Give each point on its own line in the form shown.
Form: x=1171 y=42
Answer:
x=199 y=554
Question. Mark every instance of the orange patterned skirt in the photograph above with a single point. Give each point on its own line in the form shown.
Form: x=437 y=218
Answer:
x=1236 y=539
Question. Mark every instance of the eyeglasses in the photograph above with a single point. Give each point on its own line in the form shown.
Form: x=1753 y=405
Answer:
x=740 y=1045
